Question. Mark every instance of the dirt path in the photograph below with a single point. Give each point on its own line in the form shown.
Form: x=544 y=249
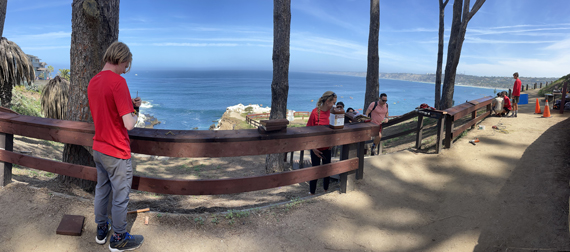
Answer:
x=507 y=193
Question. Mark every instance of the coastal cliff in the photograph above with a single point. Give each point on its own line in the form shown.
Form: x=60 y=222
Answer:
x=234 y=117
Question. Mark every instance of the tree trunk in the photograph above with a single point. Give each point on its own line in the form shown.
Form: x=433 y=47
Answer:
x=95 y=25
x=456 y=38
x=372 y=84
x=439 y=53
x=3 y=5
x=280 y=83
x=6 y=94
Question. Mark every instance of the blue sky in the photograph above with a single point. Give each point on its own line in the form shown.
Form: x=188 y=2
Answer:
x=528 y=36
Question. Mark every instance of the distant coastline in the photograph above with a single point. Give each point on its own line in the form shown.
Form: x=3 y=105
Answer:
x=460 y=79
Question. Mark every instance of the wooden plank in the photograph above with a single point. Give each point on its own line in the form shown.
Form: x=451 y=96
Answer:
x=482 y=102
x=48 y=133
x=71 y=225
x=402 y=118
x=193 y=143
x=460 y=130
x=238 y=185
x=6 y=143
x=72 y=170
x=403 y=133
x=189 y=187
x=272 y=144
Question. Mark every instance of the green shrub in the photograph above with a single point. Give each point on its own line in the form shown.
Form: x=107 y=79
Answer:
x=25 y=104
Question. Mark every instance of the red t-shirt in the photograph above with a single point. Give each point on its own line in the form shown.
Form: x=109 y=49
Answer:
x=517 y=88
x=507 y=102
x=323 y=119
x=109 y=100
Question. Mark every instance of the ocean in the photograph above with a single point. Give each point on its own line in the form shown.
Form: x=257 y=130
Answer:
x=185 y=100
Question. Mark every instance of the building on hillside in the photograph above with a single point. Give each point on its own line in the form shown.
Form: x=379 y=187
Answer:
x=39 y=67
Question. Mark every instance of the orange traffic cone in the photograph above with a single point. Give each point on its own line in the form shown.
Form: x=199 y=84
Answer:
x=537 y=108
x=546 y=110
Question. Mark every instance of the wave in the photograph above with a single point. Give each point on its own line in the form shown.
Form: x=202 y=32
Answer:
x=146 y=104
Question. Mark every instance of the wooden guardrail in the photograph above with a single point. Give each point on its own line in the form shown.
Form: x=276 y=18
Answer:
x=456 y=113
x=186 y=143
x=253 y=119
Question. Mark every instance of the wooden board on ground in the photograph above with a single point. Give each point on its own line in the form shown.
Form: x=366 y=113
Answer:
x=70 y=225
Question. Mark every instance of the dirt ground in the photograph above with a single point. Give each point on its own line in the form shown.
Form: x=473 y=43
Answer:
x=509 y=192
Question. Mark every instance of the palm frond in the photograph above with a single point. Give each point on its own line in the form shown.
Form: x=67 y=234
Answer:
x=54 y=98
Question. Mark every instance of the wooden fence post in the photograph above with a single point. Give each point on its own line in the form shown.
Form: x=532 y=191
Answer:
x=344 y=176
x=541 y=85
x=510 y=94
x=360 y=171
x=6 y=143
x=440 y=124
x=448 y=131
x=301 y=155
x=419 y=132
x=535 y=85
x=526 y=87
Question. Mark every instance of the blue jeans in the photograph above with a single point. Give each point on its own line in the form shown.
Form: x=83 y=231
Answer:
x=114 y=175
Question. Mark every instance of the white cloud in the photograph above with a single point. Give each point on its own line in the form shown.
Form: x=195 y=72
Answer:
x=43 y=36
x=26 y=48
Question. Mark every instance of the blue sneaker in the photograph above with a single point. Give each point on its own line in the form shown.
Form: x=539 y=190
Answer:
x=124 y=242
x=102 y=232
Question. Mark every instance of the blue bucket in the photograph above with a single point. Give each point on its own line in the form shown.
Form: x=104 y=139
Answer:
x=523 y=99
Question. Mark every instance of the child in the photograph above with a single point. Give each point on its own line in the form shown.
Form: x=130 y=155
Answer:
x=507 y=103
x=320 y=116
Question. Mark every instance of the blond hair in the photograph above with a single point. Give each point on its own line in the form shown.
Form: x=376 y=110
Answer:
x=327 y=96
x=118 y=52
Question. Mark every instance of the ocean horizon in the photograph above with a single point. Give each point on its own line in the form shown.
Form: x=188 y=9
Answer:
x=185 y=100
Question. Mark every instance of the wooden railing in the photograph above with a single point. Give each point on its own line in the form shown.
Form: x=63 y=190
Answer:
x=456 y=113
x=186 y=143
x=253 y=119
x=205 y=143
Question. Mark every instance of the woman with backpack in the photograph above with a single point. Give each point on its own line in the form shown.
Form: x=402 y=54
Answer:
x=320 y=116
x=378 y=112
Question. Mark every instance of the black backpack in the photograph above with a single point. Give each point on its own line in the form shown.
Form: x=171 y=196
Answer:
x=375 y=104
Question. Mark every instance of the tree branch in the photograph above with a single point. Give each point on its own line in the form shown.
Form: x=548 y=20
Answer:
x=476 y=7
x=443 y=4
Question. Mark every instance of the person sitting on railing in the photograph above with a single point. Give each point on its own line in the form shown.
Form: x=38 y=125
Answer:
x=320 y=116
x=113 y=114
x=378 y=112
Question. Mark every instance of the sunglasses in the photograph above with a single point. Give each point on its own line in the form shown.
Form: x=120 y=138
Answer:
x=385 y=100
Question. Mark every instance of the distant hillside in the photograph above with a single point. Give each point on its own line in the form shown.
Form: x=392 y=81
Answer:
x=460 y=79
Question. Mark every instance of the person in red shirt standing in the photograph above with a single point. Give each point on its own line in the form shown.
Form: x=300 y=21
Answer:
x=320 y=116
x=113 y=112
x=516 y=94
x=506 y=103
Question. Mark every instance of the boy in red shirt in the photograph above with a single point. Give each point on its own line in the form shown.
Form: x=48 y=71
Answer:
x=506 y=103
x=516 y=93
x=113 y=114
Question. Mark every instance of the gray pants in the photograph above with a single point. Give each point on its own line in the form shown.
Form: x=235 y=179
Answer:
x=113 y=175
